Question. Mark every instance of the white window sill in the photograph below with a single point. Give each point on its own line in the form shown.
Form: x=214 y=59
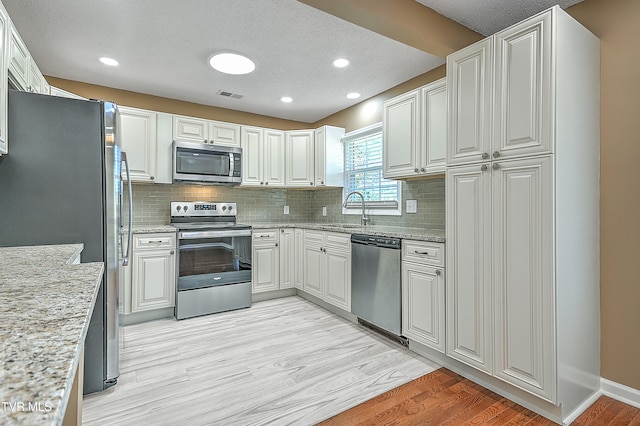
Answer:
x=373 y=212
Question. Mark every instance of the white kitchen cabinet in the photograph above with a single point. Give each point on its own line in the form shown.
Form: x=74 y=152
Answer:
x=153 y=278
x=287 y=254
x=263 y=157
x=327 y=267
x=329 y=157
x=139 y=141
x=4 y=75
x=207 y=131
x=24 y=74
x=423 y=294
x=522 y=211
x=300 y=160
x=55 y=91
x=298 y=258
x=414 y=126
x=265 y=267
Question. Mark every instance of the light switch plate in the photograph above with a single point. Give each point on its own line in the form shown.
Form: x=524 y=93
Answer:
x=412 y=206
x=324 y=210
x=286 y=209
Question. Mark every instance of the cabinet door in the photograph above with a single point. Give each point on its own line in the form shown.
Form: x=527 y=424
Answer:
x=468 y=265
x=423 y=304
x=313 y=272
x=18 y=60
x=190 y=129
x=523 y=100
x=153 y=275
x=287 y=264
x=523 y=274
x=300 y=159
x=401 y=130
x=265 y=267
x=320 y=156
x=298 y=258
x=4 y=28
x=469 y=79
x=224 y=134
x=274 y=158
x=434 y=126
x=37 y=82
x=337 y=282
x=252 y=138
x=138 y=136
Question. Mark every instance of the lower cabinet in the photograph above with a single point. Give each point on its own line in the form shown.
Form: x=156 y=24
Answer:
x=327 y=267
x=273 y=254
x=150 y=280
x=423 y=293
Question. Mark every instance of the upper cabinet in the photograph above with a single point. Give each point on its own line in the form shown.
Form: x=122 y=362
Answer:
x=138 y=136
x=300 y=159
x=24 y=74
x=263 y=157
x=329 y=157
x=414 y=132
x=514 y=69
x=54 y=91
x=207 y=131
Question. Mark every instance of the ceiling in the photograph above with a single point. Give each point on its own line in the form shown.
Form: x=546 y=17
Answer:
x=163 y=47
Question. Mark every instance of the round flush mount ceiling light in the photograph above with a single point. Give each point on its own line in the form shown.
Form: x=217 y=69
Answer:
x=232 y=63
x=286 y=99
x=353 y=95
x=340 y=63
x=108 y=61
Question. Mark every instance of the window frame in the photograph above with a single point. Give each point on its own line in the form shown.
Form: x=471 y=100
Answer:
x=354 y=207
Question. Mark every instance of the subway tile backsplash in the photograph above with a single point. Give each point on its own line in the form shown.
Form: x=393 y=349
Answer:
x=255 y=205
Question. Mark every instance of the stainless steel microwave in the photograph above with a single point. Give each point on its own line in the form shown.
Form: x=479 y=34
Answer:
x=202 y=163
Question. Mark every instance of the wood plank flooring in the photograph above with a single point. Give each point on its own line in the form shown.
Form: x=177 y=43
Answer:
x=283 y=361
x=446 y=398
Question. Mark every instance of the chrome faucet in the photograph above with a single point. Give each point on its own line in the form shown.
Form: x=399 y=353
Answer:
x=364 y=219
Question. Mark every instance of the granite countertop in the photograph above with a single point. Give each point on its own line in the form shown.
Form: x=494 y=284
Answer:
x=418 y=234
x=152 y=229
x=46 y=304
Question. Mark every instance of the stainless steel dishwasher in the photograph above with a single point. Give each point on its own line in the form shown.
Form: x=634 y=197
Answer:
x=375 y=282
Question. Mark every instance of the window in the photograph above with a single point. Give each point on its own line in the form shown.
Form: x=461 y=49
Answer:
x=363 y=173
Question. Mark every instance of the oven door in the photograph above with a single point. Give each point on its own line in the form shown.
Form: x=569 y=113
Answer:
x=213 y=258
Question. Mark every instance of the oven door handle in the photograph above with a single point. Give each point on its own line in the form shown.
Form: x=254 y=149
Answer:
x=199 y=246
x=194 y=235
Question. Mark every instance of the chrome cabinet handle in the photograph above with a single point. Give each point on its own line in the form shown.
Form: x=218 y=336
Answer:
x=321 y=182
x=311 y=183
x=484 y=168
x=416 y=170
x=276 y=244
x=154 y=242
x=422 y=252
x=423 y=169
x=496 y=154
x=496 y=166
x=282 y=230
x=438 y=272
x=485 y=155
x=172 y=252
x=266 y=183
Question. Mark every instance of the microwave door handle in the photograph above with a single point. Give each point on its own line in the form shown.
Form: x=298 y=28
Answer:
x=231 y=162
x=125 y=258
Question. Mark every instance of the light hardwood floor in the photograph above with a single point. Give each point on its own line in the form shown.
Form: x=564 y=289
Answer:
x=283 y=361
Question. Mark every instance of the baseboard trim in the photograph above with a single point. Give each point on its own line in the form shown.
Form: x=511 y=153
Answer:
x=620 y=392
x=582 y=408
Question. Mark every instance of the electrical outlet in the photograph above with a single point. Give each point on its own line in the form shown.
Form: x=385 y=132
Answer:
x=412 y=206
x=286 y=209
x=324 y=210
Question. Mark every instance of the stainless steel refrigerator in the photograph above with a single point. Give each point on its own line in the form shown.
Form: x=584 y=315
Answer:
x=61 y=183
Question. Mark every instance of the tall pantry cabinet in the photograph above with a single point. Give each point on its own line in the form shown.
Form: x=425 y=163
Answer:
x=522 y=217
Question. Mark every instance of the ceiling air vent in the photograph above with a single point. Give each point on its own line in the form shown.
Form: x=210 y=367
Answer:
x=229 y=94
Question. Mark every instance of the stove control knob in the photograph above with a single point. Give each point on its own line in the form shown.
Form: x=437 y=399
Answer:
x=178 y=208
x=186 y=208
x=224 y=208
x=230 y=207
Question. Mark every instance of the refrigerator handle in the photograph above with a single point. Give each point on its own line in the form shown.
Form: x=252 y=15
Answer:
x=125 y=258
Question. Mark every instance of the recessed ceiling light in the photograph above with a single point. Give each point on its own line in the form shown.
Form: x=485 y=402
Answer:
x=353 y=95
x=109 y=61
x=232 y=63
x=286 y=99
x=340 y=63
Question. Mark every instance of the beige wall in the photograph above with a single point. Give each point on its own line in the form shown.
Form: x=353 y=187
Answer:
x=617 y=24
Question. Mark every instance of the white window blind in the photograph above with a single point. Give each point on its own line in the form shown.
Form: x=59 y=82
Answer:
x=363 y=170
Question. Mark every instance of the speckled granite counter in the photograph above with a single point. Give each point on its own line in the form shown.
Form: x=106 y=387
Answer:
x=152 y=229
x=45 y=307
x=418 y=234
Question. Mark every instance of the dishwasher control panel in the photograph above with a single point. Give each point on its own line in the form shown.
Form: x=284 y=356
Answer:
x=376 y=240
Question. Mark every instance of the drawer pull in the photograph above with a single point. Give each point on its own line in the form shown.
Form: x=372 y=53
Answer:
x=155 y=242
x=428 y=253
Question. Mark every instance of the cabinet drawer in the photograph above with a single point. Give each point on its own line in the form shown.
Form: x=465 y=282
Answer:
x=423 y=252
x=154 y=241
x=265 y=235
x=311 y=236
x=338 y=239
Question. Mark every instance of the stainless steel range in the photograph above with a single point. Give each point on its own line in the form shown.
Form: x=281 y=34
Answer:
x=214 y=258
